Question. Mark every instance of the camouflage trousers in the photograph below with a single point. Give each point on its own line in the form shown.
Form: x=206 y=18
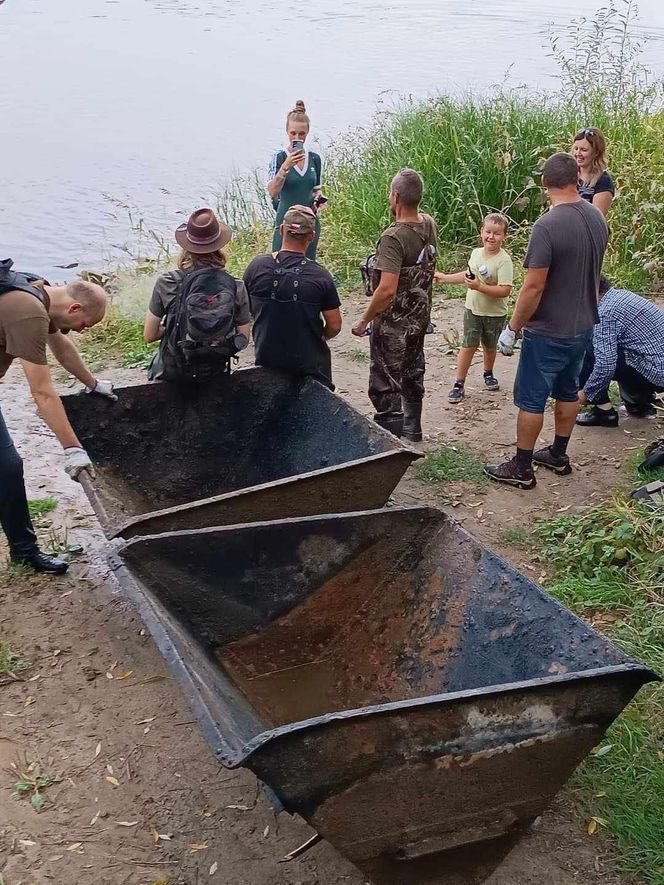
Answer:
x=397 y=365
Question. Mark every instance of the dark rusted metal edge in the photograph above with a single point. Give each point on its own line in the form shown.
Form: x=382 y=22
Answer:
x=176 y=664
x=87 y=484
x=260 y=740
x=234 y=755
x=115 y=530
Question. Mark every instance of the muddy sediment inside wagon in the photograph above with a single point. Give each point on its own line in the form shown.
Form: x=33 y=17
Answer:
x=412 y=696
x=256 y=444
x=412 y=614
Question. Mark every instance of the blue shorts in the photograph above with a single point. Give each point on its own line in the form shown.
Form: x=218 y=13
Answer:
x=549 y=367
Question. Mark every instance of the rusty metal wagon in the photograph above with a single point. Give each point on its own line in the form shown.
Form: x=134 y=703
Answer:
x=398 y=685
x=256 y=445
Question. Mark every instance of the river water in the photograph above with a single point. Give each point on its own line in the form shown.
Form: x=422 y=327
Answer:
x=108 y=104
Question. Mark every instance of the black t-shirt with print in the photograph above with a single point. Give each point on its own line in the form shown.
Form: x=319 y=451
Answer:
x=288 y=295
x=604 y=184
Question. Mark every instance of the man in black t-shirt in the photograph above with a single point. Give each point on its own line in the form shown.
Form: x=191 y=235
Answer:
x=294 y=303
x=557 y=310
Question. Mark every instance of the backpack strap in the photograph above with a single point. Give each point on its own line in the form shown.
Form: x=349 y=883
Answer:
x=11 y=281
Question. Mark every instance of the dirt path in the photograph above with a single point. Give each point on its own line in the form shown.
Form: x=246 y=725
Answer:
x=130 y=766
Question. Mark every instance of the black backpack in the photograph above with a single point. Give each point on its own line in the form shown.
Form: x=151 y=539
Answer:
x=12 y=279
x=199 y=329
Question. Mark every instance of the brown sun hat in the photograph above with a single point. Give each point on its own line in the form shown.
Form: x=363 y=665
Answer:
x=203 y=233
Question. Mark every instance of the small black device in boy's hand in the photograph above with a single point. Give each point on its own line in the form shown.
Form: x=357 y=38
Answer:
x=469 y=274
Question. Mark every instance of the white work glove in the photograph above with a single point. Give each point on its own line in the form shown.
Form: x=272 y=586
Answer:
x=506 y=341
x=76 y=460
x=103 y=388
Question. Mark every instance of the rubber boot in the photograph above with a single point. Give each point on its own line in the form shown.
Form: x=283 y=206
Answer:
x=391 y=421
x=412 y=421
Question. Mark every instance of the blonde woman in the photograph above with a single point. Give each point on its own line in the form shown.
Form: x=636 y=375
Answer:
x=202 y=240
x=295 y=176
x=595 y=184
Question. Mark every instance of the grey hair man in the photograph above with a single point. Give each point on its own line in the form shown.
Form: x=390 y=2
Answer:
x=400 y=308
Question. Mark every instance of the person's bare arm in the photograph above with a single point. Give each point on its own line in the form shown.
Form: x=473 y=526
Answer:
x=331 y=323
x=603 y=202
x=49 y=403
x=152 y=328
x=452 y=279
x=491 y=289
x=380 y=301
x=276 y=185
x=529 y=297
x=65 y=352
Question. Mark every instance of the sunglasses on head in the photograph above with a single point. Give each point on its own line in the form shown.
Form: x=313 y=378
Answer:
x=585 y=133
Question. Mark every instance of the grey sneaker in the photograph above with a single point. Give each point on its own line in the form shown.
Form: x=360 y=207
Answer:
x=558 y=463
x=456 y=394
x=490 y=382
x=512 y=474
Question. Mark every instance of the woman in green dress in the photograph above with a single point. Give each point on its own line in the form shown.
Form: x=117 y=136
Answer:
x=295 y=176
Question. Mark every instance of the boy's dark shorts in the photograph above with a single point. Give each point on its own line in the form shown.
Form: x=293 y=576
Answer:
x=549 y=367
x=482 y=330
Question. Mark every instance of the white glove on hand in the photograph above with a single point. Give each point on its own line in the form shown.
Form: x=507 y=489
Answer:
x=103 y=388
x=76 y=460
x=506 y=341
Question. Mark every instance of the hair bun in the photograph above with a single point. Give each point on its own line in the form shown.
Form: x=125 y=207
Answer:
x=299 y=106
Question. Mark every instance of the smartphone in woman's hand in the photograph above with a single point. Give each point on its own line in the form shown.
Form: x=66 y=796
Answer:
x=297 y=146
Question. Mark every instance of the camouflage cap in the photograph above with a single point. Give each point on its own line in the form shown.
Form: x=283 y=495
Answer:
x=300 y=221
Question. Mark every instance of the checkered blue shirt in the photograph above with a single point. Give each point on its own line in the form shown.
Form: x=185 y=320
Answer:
x=634 y=326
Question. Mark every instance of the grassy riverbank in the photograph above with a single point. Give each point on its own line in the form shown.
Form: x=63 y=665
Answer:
x=610 y=568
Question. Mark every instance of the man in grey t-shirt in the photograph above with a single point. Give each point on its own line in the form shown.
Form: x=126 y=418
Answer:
x=557 y=310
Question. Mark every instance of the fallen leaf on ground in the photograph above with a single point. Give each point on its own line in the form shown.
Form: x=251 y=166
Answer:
x=75 y=846
x=197 y=846
x=148 y=680
x=26 y=843
x=266 y=831
x=94 y=819
x=125 y=675
x=214 y=868
x=98 y=749
x=112 y=780
x=126 y=823
x=37 y=801
x=239 y=807
x=592 y=826
x=146 y=721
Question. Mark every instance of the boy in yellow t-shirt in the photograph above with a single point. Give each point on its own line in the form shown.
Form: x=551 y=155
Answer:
x=489 y=279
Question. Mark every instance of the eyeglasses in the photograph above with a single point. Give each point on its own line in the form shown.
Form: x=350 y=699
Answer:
x=585 y=133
